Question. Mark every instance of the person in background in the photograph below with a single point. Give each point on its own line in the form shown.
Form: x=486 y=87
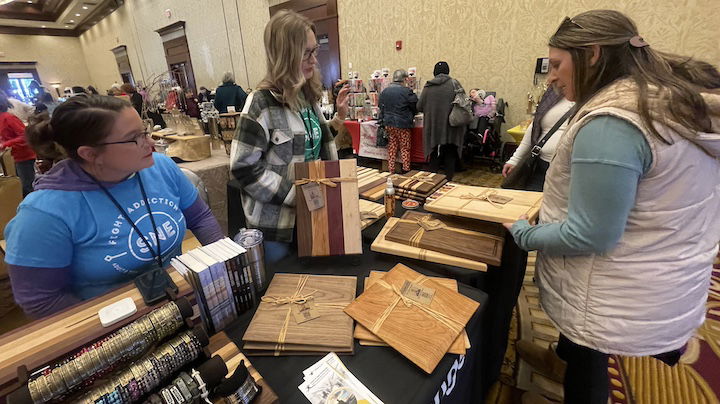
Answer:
x=343 y=139
x=92 y=91
x=442 y=142
x=12 y=135
x=398 y=106
x=204 y=95
x=630 y=216
x=229 y=94
x=551 y=108
x=111 y=211
x=285 y=106
x=47 y=154
x=18 y=108
x=191 y=105
x=45 y=103
x=135 y=98
x=78 y=91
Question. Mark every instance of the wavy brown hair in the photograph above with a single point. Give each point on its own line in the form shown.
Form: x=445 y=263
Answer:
x=680 y=79
x=285 y=37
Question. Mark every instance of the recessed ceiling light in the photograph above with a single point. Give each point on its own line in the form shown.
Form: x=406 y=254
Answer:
x=42 y=26
x=77 y=15
x=29 y=1
x=85 y=7
x=72 y=20
x=67 y=26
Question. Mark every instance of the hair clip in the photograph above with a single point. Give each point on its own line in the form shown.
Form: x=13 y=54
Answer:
x=638 y=42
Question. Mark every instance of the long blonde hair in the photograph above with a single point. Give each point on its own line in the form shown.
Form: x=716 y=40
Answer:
x=683 y=78
x=285 y=37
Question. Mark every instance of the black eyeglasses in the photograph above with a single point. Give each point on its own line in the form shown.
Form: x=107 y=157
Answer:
x=310 y=53
x=144 y=135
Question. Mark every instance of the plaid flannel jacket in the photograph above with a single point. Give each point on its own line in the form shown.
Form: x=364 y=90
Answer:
x=269 y=140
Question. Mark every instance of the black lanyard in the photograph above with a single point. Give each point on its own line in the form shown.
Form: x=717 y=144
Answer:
x=156 y=254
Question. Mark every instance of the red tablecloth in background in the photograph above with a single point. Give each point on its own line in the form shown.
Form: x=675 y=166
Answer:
x=417 y=155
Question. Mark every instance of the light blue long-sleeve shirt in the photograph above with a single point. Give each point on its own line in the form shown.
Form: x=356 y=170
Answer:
x=608 y=159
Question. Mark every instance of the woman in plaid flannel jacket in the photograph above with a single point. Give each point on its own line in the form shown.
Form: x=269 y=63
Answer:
x=281 y=125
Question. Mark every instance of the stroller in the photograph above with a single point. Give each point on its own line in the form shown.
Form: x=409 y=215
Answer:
x=482 y=139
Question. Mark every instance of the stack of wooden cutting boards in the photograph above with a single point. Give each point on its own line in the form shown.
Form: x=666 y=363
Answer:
x=422 y=318
x=371 y=183
x=464 y=228
x=417 y=185
x=303 y=315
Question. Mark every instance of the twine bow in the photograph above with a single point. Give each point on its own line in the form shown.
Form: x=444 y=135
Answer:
x=330 y=182
x=427 y=224
x=420 y=177
x=368 y=215
x=485 y=196
x=296 y=298
x=447 y=321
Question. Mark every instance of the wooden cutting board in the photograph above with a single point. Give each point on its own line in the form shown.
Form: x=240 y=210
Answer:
x=381 y=244
x=459 y=237
x=333 y=229
x=419 y=181
x=370 y=212
x=329 y=293
x=471 y=202
x=368 y=338
x=417 y=335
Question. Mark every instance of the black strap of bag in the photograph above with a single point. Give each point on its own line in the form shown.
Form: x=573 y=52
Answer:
x=519 y=177
x=535 y=151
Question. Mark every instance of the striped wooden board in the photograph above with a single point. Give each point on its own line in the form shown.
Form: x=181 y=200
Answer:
x=333 y=229
x=48 y=339
x=371 y=182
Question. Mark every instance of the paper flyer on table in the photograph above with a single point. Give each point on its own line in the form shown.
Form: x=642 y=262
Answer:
x=329 y=382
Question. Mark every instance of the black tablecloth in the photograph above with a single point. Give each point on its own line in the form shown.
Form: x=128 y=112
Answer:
x=392 y=377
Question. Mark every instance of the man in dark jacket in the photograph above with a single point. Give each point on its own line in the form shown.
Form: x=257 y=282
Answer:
x=441 y=141
x=229 y=94
x=398 y=106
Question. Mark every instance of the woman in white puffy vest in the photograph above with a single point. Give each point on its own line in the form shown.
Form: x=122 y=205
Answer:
x=630 y=219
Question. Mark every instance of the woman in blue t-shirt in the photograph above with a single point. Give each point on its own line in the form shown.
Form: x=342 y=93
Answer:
x=112 y=210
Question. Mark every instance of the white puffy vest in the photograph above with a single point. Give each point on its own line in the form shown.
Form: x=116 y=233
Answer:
x=647 y=295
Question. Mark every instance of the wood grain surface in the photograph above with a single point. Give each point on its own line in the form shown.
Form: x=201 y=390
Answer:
x=465 y=238
x=411 y=331
x=366 y=337
x=221 y=345
x=381 y=244
x=332 y=329
x=452 y=203
x=351 y=210
x=403 y=181
x=319 y=217
x=304 y=221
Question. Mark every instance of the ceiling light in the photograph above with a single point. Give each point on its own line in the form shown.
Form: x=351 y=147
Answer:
x=42 y=26
x=67 y=26
x=85 y=7
x=77 y=15
x=72 y=20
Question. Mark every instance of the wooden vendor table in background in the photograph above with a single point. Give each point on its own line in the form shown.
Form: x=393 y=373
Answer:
x=417 y=153
x=215 y=173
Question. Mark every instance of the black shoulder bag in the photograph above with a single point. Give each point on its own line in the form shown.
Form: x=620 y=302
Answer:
x=521 y=174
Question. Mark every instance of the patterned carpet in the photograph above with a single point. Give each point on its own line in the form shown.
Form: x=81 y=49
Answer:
x=633 y=380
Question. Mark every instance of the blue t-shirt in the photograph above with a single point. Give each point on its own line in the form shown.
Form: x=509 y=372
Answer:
x=84 y=230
